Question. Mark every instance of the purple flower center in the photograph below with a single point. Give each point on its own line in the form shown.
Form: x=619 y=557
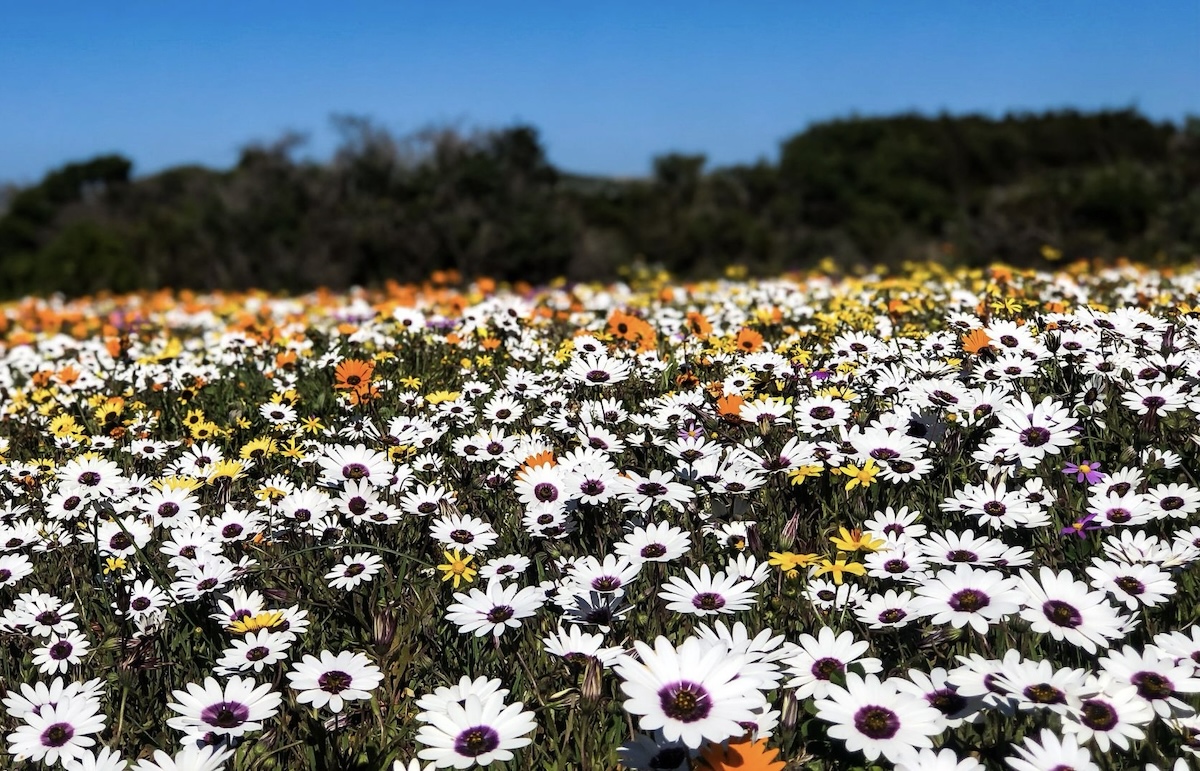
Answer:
x=1130 y=585
x=334 y=681
x=946 y=701
x=1098 y=715
x=708 y=601
x=826 y=668
x=1034 y=437
x=499 y=614
x=1062 y=614
x=968 y=601
x=355 y=471
x=545 y=492
x=225 y=714
x=653 y=550
x=476 y=741
x=1152 y=685
x=61 y=650
x=685 y=701
x=877 y=722
x=651 y=489
x=57 y=735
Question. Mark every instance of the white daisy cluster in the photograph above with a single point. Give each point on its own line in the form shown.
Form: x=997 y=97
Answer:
x=949 y=521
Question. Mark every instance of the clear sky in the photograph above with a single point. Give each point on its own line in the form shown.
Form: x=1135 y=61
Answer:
x=610 y=84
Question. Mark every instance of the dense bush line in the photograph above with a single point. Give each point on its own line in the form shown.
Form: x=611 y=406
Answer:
x=962 y=190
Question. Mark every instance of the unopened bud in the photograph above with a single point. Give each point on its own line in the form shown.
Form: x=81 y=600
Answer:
x=589 y=690
x=384 y=627
x=789 y=710
x=788 y=536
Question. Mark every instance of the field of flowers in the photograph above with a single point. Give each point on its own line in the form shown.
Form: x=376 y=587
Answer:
x=944 y=520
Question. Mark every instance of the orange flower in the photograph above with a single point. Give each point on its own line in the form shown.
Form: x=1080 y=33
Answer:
x=975 y=341
x=749 y=341
x=543 y=458
x=354 y=374
x=698 y=325
x=630 y=328
x=67 y=375
x=730 y=407
x=741 y=754
x=622 y=325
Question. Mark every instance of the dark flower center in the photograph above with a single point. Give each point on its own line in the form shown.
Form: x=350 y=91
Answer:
x=48 y=618
x=1034 y=437
x=1130 y=585
x=651 y=489
x=61 y=650
x=650 y=551
x=1098 y=715
x=354 y=569
x=70 y=503
x=946 y=701
x=895 y=566
x=877 y=722
x=207 y=584
x=685 y=701
x=606 y=583
x=969 y=600
x=231 y=531
x=892 y=615
x=476 y=741
x=57 y=735
x=822 y=413
x=1118 y=515
x=140 y=603
x=257 y=653
x=1171 y=503
x=597 y=376
x=1061 y=613
x=168 y=509
x=545 y=492
x=89 y=478
x=499 y=614
x=1152 y=685
x=826 y=668
x=1044 y=693
x=355 y=471
x=708 y=601
x=462 y=536
x=120 y=542
x=592 y=487
x=225 y=714
x=962 y=555
x=335 y=681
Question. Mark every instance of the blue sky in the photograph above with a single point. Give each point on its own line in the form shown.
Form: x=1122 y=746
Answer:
x=609 y=84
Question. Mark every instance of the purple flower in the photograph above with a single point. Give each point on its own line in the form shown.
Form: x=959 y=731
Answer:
x=1087 y=470
x=1082 y=526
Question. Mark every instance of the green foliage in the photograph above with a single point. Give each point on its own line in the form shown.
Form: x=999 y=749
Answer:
x=963 y=189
